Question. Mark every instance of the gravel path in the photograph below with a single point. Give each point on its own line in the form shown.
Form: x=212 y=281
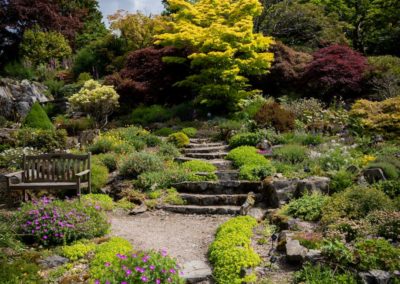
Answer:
x=186 y=237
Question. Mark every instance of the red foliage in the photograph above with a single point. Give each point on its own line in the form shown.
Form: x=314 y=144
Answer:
x=336 y=70
x=272 y=114
x=147 y=79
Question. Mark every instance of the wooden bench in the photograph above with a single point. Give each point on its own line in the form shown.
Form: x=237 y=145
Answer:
x=52 y=171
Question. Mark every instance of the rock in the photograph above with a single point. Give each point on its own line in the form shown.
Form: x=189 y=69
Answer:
x=138 y=210
x=17 y=97
x=282 y=240
x=53 y=261
x=264 y=145
x=87 y=137
x=314 y=256
x=196 y=272
x=375 y=277
x=313 y=184
x=299 y=225
x=257 y=213
x=373 y=175
x=279 y=190
x=116 y=187
x=295 y=253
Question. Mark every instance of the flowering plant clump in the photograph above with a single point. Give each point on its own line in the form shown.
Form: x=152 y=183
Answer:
x=49 y=222
x=141 y=267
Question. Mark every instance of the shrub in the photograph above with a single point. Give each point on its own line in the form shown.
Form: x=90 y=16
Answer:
x=244 y=139
x=274 y=115
x=385 y=76
x=355 y=203
x=162 y=179
x=307 y=207
x=311 y=273
x=291 y=153
x=109 y=160
x=102 y=201
x=78 y=250
x=56 y=222
x=168 y=151
x=180 y=139
x=99 y=174
x=256 y=172
x=231 y=251
x=107 y=253
x=386 y=224
x=245 y=155
x=349 y=230
x=310 y=240
x=338 y=252
x=101 y=145
x=334 y=159
x=173 y=197
x=12 y=158
x=45 y=140
x=138 y=267
x=390 y=171
x=18 y=71
x=37 y=118
x=190 y=131
x=151 y=140
x=377 y=254
x=73 y=125
x=341 y=180
x=145 y=115
x=306 y=110
x=197 y=166
x=138 y=163
x=227 y=127
x=20 y=270
x=165 y=131
x=390 y=187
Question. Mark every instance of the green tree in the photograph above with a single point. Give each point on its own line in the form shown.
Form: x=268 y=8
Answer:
x=41 y=47
x=37 y=118
x=225 y=49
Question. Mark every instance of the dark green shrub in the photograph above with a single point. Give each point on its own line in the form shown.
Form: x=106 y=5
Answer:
x=109 y=160
x=291 y=153
x=307 y=207
x=274 y=115
x=37 y=118
x=3 y=121
x=20 y=270
x=99 y=175
x=168 y=151
x=341 y=180
x=227 y=127
x=151 y=140
x=180 y=139
x=317 y=274
x=148 y=114
x=18 y=71
x=138 y=163
x=190 y=131
x=390 y=187
x=311 y=139
x=101 y=145
x=164 y=132
x=244 y=139
x=355 y=203
x=231 y=251
x=338 y=252
x=256 y=172
x=45 y=140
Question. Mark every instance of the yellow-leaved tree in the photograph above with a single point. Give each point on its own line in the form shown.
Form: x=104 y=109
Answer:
x=225 y=48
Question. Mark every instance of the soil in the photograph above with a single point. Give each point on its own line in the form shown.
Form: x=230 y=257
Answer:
x=185 y=237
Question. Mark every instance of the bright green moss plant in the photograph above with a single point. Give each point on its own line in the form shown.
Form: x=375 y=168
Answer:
x=78 y=250
x=231 y=251
x=180 y=139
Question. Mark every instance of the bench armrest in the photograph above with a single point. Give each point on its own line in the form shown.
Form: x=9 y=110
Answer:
x=14 y=174
x=81 y=174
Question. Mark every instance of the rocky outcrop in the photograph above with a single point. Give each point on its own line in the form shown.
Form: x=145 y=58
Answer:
x=17 y=97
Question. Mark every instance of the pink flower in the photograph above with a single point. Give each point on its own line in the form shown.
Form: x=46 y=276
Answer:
x=158 y=281
x=97 y=282
x=144 y=278
x=128 y=272
x=107 y=264
x=152 y=267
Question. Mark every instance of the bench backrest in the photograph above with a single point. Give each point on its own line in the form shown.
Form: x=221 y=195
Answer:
x=60 y=167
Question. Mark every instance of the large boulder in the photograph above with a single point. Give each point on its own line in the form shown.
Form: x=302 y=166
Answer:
x=17 y=97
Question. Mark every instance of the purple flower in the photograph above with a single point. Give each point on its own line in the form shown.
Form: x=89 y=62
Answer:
x=158 y=281
x=144 y=278
x=44 y=237
x=152 y=267
x=164 y=252
x=97 y=281
x=172 y=271
x=107 y=264
x=128 y=272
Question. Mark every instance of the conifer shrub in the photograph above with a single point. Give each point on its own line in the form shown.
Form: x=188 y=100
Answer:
x=37 y=118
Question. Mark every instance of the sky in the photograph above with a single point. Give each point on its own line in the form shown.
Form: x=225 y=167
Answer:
x=108 y=7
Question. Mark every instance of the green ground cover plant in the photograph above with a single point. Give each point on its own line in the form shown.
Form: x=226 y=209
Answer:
x=308 y=207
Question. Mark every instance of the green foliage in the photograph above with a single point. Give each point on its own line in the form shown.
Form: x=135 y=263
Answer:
x=165 y=131
x=197 y=166
x=83 y=77
x=12 y=158
x=180 y=139
x=99 y=174
x=145 y=115
x=256 y=172
x=245 y=155
x=377 y=254
x=250 y=106
x=8 y=234
x=139 y=162
x=385 y=76
x=107 y=253
x=18 y=71
x=190 y=131
x=110 y=160
x=291 y=153
x=231 y=251
x=221 y=63
x=44 y=140
x=272 y=114
x=41 y=47
x=355 y=203
x=37 y=118
x=102 y=201
x=385 y=224
x=315 y=274
x=173 y=197
x=73 y=125
x=390 y=187
x=244 y=139
x=338 y=252
x=163 y=179
x=101 y=145
x=169 y=151
x=390 y=171
x=341 y=180
x=151 y=140
x=307 y=207
x=78 y=250
x=20 y=270
x=334 y=159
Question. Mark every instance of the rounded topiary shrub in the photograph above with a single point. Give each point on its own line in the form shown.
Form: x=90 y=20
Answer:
x=140 y=162
x=37 y=118
x=180 y=139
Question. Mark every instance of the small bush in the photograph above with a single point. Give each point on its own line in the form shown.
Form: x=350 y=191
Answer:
x=173 y=197
x=145 y=115
x=99 y=174
x=109 y=160
x=45 y=140
x=165 y=131
x=231 y=251
x=162 y=179
x=334 y=159
x=102 y=201
x=20 y=270
x=168 y=151
x=355 y=203
x=322 y=274
x=78 y=250
x=151 y=140
x=390 y=187
x=291 y=153
x=139 y=162
x=244 y=139
x=390 y=171
x=57 y=222
x=180 y=139
x=273 y=115
x=245 y=155
x=190 y=131
x=341 y=180
x=101 y=145
x=386 y=224
x=307 y=207
x=255 y=172
x=37 y=118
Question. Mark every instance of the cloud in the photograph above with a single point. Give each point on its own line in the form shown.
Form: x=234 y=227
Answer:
x=108 y=7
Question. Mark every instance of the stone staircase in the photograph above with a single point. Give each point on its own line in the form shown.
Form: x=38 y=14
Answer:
x=224 y=196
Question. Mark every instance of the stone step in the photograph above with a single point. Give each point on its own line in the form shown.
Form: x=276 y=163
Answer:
x=200 y=140
x=212 y=149
x=205 y=145
x=221 y=164
x=214 y=199
x=219 y=187
x=207 y=156
x=227 y=175
x=195 y=209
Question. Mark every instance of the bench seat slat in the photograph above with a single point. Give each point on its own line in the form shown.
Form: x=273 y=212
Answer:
x=47 y=185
